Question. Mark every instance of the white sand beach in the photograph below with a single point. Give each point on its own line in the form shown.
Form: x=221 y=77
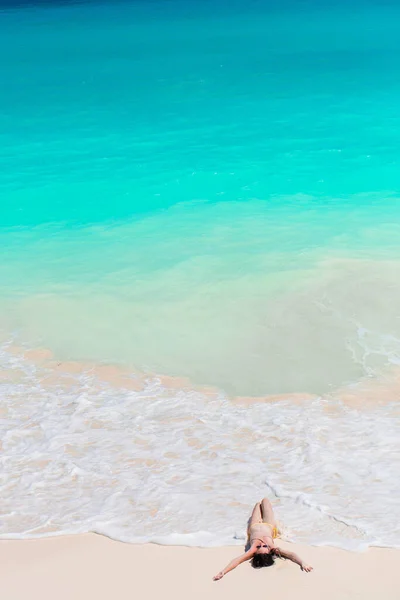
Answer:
x=91 y=566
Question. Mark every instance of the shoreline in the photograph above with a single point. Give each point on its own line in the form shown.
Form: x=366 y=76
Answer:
x=171 y=435
x=89 y=565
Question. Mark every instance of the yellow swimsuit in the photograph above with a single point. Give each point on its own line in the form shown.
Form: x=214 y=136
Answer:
x=275 y=532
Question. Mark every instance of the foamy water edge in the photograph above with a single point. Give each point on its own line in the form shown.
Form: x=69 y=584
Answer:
x=138 y=462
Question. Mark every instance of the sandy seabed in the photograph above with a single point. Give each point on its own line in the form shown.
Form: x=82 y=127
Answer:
x=91 y=566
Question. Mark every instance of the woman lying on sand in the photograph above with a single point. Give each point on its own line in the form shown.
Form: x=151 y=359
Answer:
x=262 y=551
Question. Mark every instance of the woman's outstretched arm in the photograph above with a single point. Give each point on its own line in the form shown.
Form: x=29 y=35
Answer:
x=296 y=559
x=235 y=563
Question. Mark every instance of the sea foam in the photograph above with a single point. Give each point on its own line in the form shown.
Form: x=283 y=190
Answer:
x=148 y=462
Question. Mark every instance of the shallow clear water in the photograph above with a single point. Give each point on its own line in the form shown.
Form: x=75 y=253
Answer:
x=209 y=192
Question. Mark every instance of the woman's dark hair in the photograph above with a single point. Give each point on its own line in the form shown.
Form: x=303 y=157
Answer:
x=262 y=560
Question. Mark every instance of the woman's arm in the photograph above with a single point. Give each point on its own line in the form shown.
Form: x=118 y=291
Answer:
x=296 y=559
x=235 y=563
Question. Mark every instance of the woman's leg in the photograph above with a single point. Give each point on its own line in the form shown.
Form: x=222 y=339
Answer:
x=267 y=512
x=256 y=515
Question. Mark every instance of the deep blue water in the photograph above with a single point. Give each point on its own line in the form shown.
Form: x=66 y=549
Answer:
x=115 y=109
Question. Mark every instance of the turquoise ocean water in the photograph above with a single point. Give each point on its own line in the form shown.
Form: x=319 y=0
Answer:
x=208 y=191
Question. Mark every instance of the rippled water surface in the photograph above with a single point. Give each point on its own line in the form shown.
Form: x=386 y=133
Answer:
x=200 y=270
